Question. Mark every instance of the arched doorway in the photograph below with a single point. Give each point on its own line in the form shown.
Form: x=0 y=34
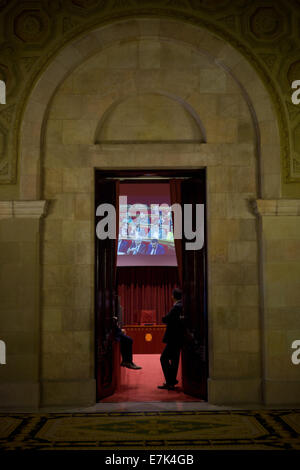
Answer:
x=224 y=91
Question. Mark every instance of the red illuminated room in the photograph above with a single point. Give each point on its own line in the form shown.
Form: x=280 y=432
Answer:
x=135 y=275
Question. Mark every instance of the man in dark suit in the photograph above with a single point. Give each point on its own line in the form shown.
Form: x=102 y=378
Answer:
x=173 y=338
x=138 y=247
x=155 y=248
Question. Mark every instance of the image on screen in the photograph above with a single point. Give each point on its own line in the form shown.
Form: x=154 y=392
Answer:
x=146 y=235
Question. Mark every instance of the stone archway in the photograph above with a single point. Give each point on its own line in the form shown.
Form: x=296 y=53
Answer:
x=242 y=139
x=72 y=55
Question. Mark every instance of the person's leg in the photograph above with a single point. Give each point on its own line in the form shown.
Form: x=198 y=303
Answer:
x=173 y=367
x=126 y=348
x=126 y=351
x=165 y=363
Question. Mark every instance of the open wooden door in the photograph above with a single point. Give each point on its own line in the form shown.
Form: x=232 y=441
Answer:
x=194 y=352
x=105 y=297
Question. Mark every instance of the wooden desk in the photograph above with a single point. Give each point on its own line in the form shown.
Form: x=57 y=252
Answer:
x=146 y=339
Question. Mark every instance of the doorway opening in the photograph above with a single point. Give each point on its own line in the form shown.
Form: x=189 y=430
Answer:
x=135 y=274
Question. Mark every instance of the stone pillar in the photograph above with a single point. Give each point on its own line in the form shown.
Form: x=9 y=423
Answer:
x=280 y=270
x=20 y=302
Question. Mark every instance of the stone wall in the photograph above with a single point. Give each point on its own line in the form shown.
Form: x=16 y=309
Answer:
x=280 y=229
x=110 y=97
x=20 y=303
x=265 y=34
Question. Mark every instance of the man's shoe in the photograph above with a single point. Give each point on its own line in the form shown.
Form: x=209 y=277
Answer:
x=166 y=387
x=131 y=365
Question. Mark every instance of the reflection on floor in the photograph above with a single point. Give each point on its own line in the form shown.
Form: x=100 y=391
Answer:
x=141 y=385
x=154 y=406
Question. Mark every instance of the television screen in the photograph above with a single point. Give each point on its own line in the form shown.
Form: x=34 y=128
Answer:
x=146 y=236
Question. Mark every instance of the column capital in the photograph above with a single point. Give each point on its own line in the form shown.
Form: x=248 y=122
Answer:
x=23 y=209
x=273 y=207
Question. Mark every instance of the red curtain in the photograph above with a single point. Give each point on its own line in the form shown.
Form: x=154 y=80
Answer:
x=175 y=194
x=146 y=288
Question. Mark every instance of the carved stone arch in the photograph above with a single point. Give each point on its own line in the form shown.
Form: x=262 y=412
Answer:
x=31 y=133
x=191 y=118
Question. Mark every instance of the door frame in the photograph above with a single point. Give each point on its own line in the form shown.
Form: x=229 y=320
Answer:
x=155 y=175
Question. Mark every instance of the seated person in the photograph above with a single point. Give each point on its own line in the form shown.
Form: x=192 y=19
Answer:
x=155 y=248
x=123 y=246
x=137 y=248
x=125 y=346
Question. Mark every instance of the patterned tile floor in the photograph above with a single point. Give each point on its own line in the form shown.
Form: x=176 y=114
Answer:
x=143 y=430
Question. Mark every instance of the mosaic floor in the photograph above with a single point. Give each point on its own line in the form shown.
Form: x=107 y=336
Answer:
x=209 y=430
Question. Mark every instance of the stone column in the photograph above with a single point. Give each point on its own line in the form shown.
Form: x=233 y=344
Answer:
x=280 y=275
x=20 y=302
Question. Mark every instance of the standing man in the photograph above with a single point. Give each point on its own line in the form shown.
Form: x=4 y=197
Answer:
x=173 y=339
